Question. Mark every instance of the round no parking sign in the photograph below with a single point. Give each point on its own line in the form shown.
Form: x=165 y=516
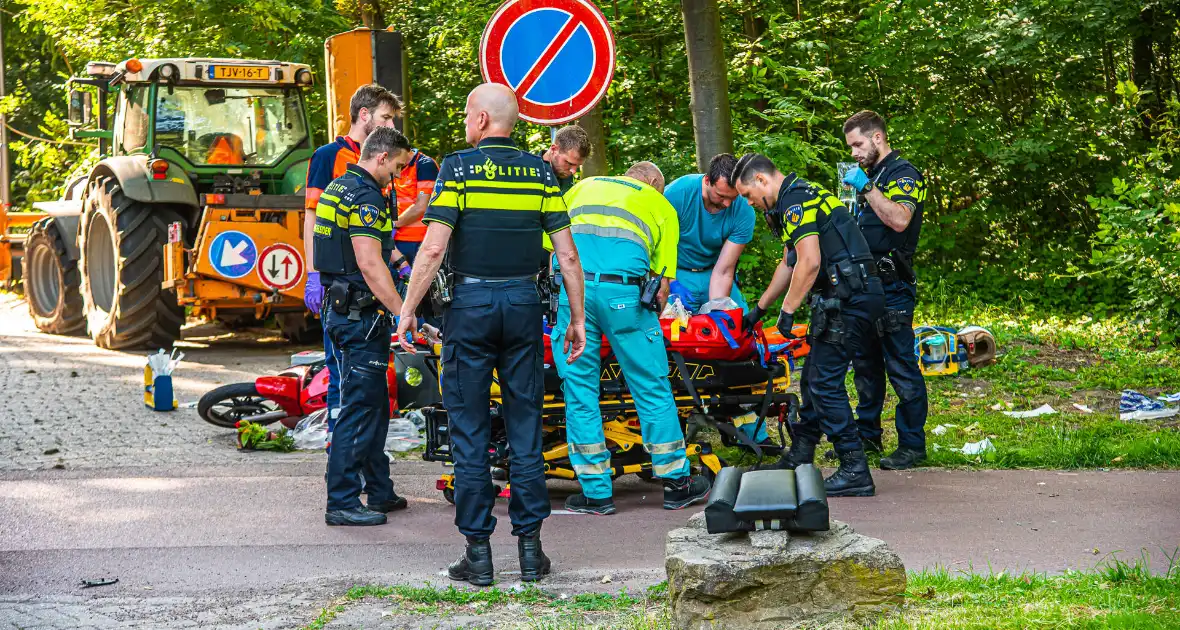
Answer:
x=558 y=56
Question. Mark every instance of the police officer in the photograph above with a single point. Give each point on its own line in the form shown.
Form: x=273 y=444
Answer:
x=370 y=107
x=624 y=229
x=833 y=263
x=354 y=239
x=890 y=196
x=490 y=206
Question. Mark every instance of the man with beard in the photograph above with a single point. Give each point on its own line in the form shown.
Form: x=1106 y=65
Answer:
x=890 y=196
x=570 y=149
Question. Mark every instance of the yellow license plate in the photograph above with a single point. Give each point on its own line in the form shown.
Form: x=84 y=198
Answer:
x=241 y=73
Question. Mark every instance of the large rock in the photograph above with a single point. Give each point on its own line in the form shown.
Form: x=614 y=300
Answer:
x=773 y=579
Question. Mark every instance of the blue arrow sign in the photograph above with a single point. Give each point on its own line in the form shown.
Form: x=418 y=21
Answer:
x=233 y=254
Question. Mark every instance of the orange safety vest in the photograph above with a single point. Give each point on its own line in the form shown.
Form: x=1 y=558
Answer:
x=408 y=186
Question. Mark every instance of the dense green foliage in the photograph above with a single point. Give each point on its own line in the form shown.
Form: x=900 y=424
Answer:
x=1046 y=129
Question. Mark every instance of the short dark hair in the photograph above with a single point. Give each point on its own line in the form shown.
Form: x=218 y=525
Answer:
x=750 y=165
x=721 y=167
x=866 y=122
x=573 y=138
x=371 y=97
x=384 y=140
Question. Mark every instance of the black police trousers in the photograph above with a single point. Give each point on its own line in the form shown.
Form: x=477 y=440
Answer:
x=892 y=354
x=495 y=326
x=825 y=406
x=358 y=436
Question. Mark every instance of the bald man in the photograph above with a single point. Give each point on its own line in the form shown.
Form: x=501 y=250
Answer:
x=625 y=230
x=491 y=199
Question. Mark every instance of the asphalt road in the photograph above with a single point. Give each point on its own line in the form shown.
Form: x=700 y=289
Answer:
x=199 y=535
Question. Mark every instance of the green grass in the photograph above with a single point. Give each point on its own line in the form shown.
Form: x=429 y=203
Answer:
x=1116 y=595
x=1045 y=359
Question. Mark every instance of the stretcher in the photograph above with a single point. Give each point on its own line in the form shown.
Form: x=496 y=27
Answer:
x=718 y=372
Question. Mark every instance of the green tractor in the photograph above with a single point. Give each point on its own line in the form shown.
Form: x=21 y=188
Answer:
x=197 y=202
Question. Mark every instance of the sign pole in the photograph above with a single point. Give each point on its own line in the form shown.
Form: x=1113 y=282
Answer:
x=5 y=200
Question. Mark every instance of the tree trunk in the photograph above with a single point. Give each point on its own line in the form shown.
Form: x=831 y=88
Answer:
x=1143 y=71
x=593 y=124
x=371 y=14
x=707 y=81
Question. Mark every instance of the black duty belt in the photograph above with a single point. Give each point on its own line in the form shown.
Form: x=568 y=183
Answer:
x=698 y=269
x=472 y=280
x=613 y=278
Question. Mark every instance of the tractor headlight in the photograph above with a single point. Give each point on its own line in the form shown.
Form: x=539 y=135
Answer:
x=303 y=77
x=168 y=72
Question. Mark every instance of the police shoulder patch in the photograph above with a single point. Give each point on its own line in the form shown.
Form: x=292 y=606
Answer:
x=906 y=184
x=794 y=214
x=438 y=188
x=368 y=215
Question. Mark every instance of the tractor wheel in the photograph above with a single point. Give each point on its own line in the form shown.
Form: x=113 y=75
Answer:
x=299 y=327
x=52 y=281
x=122 y=255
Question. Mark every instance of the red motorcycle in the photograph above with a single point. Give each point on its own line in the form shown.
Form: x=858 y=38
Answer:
x=302 y=389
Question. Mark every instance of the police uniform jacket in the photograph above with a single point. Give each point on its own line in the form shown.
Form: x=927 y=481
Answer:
x=499 y=200
x=806 y=209
x=899 y=181
x=352 y=205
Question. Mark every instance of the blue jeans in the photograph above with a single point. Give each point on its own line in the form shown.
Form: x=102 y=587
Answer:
x=358 y=437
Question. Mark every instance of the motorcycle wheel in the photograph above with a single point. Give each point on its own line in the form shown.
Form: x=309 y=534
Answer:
x=228 y=404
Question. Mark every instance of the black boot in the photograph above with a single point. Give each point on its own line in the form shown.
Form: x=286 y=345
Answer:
x=534 y=564
x=852 y=479
x=392 y=505
x=360 y=516
x=903 y=458
x=683 y=492
x=585 y=505
x=802 y=452
x=475 y=565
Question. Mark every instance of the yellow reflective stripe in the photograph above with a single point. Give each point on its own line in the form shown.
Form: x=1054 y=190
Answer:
x=673 y=467
x=604 y=215
x=742 y=420
x=446 y=199
x=332 y=214
x=601 y=468
x=329 y=197
x=608 y=232
x=493 y=183
x=617 y=223
x=665 y=448
x=501 y=201
x=587 y=449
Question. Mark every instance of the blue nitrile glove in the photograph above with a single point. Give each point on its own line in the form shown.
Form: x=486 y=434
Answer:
x=858 y=179
x=404 y=272
x=313 y=292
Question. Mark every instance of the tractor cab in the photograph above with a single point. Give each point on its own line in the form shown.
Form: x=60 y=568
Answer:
x=231 y=125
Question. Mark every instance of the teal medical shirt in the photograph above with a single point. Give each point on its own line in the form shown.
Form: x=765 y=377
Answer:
x=702 y=234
